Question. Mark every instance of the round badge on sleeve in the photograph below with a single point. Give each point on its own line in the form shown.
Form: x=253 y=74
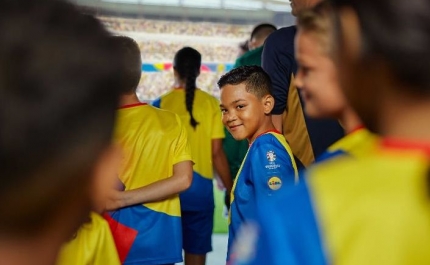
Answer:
x=274 y=183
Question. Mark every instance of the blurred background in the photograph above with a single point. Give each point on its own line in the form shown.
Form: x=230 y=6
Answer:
x=161 y=27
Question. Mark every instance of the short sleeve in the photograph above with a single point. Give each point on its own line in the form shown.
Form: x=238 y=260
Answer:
x=279 y=63
x=218 y=126
x=296 y=239
x=182 y=150
x=272 y=170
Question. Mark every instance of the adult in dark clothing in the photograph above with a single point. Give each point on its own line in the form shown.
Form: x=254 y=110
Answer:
x=307 y=137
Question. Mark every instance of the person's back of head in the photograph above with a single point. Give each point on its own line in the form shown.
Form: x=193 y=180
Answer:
x=131 y=62
x=256 y=80
x=187 y=64
x=383 y=51
x=59 y=91
x=259 y=35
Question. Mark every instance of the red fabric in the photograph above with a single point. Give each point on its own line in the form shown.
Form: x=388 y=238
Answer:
x=123 y=236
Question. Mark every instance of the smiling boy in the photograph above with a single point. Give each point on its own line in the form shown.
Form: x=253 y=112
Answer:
x=268 y=167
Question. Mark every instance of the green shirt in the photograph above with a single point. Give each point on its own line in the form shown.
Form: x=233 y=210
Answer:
x=250 y=58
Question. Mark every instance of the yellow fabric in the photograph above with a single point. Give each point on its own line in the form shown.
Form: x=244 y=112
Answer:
x=374 y=210
x=290 y=154
x=153 y=140
x=357 y=144
x=93 y=245
x=294 y=127
x=207 y=113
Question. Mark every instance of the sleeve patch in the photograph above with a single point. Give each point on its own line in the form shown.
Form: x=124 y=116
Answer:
x=274 y=183
x=271 y=158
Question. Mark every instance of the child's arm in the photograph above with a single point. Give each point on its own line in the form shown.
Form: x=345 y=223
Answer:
x=219 y=160
x=273 y=172
x=157 y=191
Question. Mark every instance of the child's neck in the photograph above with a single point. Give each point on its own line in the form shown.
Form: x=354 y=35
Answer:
x=405 y=117
x=266 y=127
x=128 y=99
x=350 y=121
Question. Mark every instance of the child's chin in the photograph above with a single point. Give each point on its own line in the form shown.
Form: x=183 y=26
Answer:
x=239 y=137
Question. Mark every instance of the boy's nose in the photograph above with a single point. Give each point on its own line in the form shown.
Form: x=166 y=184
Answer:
x=230 y=117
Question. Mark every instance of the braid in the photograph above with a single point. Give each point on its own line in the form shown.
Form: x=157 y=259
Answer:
x=187 y=64
x=190 y=91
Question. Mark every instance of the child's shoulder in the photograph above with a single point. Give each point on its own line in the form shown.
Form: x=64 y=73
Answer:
x=205 y=95
x=161 y=113
x=270 y=143
x=157 y=119
x=96 y=223
x=269 y=138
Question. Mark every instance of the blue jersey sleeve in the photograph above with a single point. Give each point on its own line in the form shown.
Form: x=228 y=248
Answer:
x=284 y=232
x=279 y=63
x=272 y=171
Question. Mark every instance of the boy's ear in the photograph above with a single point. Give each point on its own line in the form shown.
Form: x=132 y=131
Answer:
x=268 y=103
x=105 y=176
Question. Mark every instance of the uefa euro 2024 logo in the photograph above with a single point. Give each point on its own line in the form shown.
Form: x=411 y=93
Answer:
x=271 y=156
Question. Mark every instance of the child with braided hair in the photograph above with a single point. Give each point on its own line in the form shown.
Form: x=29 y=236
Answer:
x=201 y=115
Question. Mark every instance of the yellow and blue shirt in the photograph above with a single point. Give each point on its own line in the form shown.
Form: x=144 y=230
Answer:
x=358 y=143
x=152 y=140
x=266 y=173
x=93 y=245
x=372 y=210
x=206 y=111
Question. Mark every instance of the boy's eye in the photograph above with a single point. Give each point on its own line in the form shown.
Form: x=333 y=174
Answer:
x=240 y=106
x=223 y=111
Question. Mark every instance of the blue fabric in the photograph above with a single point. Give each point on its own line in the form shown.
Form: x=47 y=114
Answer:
x=327 y=155
x=323 y=133
x=151 y=227
x=197 y=231
x=291 y=236
x=157 y=103
x=278 y=61
x=261 y=180
x=199 y=196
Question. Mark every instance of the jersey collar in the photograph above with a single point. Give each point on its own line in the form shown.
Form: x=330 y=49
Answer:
x=406 y=145
x=132 y=105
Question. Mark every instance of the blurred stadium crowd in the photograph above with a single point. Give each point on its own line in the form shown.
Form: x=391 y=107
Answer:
x=217 y=42
x=178 y=28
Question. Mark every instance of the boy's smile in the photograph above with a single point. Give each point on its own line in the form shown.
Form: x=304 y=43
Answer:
x=243 y=113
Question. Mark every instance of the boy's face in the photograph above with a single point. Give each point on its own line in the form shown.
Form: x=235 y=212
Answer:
x=317 y=79
x=243 y=113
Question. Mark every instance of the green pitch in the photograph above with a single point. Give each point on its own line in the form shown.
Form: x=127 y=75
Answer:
x=220 y=222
